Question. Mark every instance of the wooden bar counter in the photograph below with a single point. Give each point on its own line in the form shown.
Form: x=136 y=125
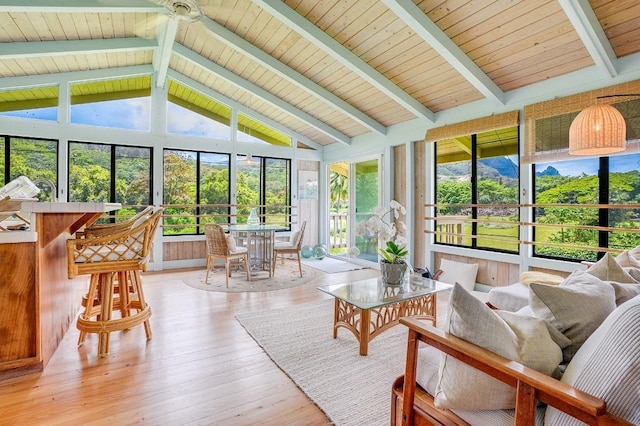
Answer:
x=37 y=300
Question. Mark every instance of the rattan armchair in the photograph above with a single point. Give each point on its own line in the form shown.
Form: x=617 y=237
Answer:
x=114 y=262
x=293 y=246
x=219 y=246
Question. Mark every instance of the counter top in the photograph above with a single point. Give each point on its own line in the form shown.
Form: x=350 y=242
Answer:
x=48 y=207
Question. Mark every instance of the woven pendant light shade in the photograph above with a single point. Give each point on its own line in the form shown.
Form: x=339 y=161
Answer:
x=597 y=130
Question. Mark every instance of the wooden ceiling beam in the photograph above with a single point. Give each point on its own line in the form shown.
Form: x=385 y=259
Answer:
x=415 y=19
x=84 y=6
x=219 y=97
x=238 y=43
x=27 y=49
x=259 y=92
x=593 y=37
x=346 y=57
x=162 y=55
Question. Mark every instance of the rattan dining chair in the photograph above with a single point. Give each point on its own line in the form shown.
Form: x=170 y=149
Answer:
x=222 y=246
x=293 y=246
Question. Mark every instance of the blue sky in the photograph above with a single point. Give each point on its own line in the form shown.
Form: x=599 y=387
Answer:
x=617 y=164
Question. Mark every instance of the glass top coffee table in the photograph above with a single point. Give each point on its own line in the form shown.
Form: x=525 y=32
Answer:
x=369 y=307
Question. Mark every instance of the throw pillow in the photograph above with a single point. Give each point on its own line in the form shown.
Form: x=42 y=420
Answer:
x=575 y=308
x=626 y=260
x=521 y=338
x=607 y=366
x=607 y=269
x=457 y=272
x=294 y=237
x=624 y=292
x=528 y=277
x=231 y=243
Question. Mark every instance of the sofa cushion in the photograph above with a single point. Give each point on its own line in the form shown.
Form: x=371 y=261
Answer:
x=520 y=338
x=457 y=272
x=528 y=277
x=231 y=243
x=626 y=260
x=607 y=366
x=509 y=298
x=607 y=269
x=576 y=307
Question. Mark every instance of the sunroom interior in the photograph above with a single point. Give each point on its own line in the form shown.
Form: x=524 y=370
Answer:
x=318 y=112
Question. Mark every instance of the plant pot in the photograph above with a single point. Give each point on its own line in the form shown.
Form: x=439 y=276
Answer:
x=393 y=273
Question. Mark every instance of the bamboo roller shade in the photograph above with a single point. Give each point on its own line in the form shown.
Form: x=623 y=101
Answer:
x=568 y=105
x=478 y=125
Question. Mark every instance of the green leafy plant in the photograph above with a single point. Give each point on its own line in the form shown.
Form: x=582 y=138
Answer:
x=393 y=253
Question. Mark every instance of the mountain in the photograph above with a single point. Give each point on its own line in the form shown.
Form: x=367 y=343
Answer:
x=549 y=171
x=503 y=165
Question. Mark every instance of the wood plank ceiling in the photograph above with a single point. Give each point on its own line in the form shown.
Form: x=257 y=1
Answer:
x=328 y=70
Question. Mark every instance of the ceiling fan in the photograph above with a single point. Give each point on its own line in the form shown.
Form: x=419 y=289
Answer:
x=185 y=10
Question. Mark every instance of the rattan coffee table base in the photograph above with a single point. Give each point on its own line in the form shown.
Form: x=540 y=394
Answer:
x=366 y=324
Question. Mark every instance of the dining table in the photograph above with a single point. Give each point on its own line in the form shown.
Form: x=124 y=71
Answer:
x=259 y=241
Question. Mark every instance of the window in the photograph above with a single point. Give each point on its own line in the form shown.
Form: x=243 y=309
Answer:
x=582 y=222
x=123 y=103
x=40 y=103
x=33 y=158
x=477 y=182
x=264 y=182
x=111 y=173
x=192 y=113
x=196 y=191
x=250 y=130
x=583 y=205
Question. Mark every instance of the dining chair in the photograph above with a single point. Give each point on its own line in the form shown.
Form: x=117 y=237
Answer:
x=222 y=246
x=292 y=246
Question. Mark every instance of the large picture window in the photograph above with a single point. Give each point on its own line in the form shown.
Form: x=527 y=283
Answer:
x=477 y=182
x=111 y=173
x=36 y=159
x=197 y=190
x=582 y=206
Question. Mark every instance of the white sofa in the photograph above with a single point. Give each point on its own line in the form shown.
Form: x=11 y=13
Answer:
x=601 y=383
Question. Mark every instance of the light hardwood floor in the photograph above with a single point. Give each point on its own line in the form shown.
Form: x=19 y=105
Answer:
x=200 y=367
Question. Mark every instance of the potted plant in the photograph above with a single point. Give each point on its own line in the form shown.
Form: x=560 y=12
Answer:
x=393 y=265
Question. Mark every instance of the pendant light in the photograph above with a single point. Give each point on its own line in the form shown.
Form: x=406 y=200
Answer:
x=598 y=130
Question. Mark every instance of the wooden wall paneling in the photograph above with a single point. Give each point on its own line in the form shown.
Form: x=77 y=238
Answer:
x=490 y=272
x=399 y=175
x=419 y=191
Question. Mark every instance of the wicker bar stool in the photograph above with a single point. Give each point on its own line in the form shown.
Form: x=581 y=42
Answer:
x=114 y=262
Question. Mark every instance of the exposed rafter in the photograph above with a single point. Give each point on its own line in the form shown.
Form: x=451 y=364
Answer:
x=441 y=43
x=290 y=17
x=162 y=55
x=586 y=24
x=28 y=49
x=238 y=43
x=199 y=87
x=255 y=90
x=79 y=6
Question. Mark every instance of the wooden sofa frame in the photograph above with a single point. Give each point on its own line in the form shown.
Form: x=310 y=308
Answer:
x=411 y=405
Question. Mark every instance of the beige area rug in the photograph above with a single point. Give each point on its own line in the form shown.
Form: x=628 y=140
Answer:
x=331 y=265
x=286 y=276
x=352 y=390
